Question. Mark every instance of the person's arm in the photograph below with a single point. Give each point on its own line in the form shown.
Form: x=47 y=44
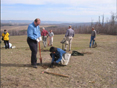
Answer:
x=49 y=34
x=95 y=34
x=42 y=33
x=37 y=32
x=52 y=62
x=53 y=58
x=53 y=33
x=46 y=32
x=66 y=34
x=31 y=33
x=2 y=34
x=8 y=35
x=57 y=61
x=73 y=33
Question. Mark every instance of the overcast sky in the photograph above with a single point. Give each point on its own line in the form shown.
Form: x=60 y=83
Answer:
x=57 y=10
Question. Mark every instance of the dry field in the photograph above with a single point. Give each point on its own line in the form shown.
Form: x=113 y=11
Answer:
x=20 y=27
x=14 y=27
x=96 y=69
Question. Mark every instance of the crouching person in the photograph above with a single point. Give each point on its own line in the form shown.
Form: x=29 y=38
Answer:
x=59 y=56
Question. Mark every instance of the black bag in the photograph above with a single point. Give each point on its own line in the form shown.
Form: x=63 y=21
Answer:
x=2 y=39
x=76 y=53
x=94 y=45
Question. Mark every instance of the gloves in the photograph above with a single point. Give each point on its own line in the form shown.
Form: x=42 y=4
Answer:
x=53 y=63
x=39 y=39
x=51 y=66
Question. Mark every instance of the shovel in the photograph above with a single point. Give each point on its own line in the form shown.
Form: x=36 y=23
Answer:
x=40 y=54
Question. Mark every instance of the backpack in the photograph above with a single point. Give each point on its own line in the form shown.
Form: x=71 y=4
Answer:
x=76 y=53
x=2 y=38
x=94 y=45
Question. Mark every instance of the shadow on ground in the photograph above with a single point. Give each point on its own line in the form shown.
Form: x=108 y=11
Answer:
x=16 y=65
x=44 y=65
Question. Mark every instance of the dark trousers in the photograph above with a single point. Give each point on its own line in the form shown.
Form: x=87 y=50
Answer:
x=33 y=47
x=6 y=42
x=44 y=40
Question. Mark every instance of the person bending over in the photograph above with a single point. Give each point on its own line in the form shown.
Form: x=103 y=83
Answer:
x=59 y=56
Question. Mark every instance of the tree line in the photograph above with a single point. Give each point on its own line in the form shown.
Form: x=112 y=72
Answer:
x=110 y=27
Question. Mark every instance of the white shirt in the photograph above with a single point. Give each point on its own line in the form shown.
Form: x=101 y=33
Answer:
x=51 y=34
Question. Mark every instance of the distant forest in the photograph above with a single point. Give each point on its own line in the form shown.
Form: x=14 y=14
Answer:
x=109 y=27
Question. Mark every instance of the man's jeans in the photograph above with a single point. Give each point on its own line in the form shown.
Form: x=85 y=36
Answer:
x=92 y=39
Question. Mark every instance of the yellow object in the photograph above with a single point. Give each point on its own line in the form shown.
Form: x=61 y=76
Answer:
x=5 y=36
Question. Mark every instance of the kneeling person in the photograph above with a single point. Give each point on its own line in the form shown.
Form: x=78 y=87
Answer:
x=59 y=56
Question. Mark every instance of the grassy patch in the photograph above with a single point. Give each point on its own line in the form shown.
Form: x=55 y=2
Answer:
x=96 y=70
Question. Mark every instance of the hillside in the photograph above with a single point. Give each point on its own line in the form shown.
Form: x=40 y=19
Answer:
x=96 y=69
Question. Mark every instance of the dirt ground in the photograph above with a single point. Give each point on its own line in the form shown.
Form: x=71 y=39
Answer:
x=96 y=69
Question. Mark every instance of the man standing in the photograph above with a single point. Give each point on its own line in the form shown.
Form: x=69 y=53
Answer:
x=93 y=36
x=5 y=37
x=51 y=34
x=44 y=33
x=69 y=37
x=33 y=34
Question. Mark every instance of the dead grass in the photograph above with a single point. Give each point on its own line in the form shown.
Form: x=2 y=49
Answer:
x=20 y=27
x=96 y=69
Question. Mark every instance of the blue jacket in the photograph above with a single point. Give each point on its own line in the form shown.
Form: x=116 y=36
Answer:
x=33 y=31
x=59 y=53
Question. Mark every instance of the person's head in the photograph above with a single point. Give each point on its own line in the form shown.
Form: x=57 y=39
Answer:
x=37 y=21
x=70 y=26
x=53 y=49
x=43 y=28
x=5 y=31
x=50 y=30
x=92 y=28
